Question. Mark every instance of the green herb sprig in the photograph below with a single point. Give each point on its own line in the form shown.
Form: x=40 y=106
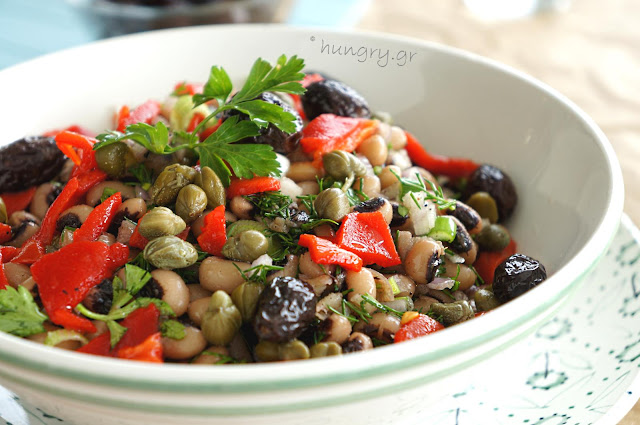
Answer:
x=218 y=151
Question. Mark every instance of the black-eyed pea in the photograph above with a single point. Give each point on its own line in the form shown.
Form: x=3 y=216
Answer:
x=23 y=232
x=303 y=171
x=196 y=291
x=361 y=283
x=220 y=274
x=423 y=259
x=462 y=273
x=185 y=348
x=357 y=342
x=318 y=283
x=384 y=291
x=406 y=287
x=16 y=274
x=397 y=138
x=95 y=193
x=174 y=290
x=369 y=185
x=197 y=309
x=196 y=226
x=43 y=197
x=241 y=208
x=336 y=328
x=382 y=326
x=133 y=208
x=311 y=269
x=309 y=187
x=388 y=176
x=374 y=148
x=471 y=255
x=73 y=217
x=212 y=355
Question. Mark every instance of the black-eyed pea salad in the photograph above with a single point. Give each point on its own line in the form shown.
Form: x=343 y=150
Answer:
x=281 y=221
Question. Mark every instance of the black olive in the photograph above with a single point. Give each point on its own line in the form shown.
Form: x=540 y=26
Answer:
x=370 y=205
x=333 y=97
x=28 y=162
x=298 y=217
x=279 y=140
x=285 y=308
x=516 y=275
x=490 y=179
x=100 y=297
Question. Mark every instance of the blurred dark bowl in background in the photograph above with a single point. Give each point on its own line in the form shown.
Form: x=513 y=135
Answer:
x=110 y=18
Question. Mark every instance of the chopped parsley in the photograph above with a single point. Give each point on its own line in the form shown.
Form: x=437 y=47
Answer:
x=19 y=313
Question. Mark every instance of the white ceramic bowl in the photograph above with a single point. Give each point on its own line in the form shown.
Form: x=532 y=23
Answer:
x=568 y=179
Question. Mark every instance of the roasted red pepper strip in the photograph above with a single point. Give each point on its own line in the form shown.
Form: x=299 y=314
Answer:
x=34 y=248
x=140 y=324
x=89 y=179
x=18 y=201
x=184 y=88
x=5 y=233
x=214 y=232
x=99 y=219
x=420 y=326
x=74 y=128
x=195 y=120
x=438 y=164
x=66 y=276
x=487 y=261
x=68 y=142
x=98 y=346
x=150 y=350
x=143 y=113
x=209 y=131
x=242 y=187
x=324 y=252
x=329 y=132
x=137 y=240
x=3 y=278
x=8 y=253
x=368 y=235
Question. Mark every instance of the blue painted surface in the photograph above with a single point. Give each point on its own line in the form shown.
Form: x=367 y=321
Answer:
x=31 y=28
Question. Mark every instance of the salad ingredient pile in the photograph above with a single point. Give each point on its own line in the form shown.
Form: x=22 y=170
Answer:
x=280 y=221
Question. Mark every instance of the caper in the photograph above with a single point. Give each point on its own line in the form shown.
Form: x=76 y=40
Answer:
x=245 y=297
x=170 y=252
x=3 y=211
x=452 y=313
x=485 y=300
x=325 y=349
x=246 y=246
x=332 y=204
x=168 y=184
x=160 y=221
x=240 y=226
x=115 y=159
x=268 y=351
x=191 y=202
x=209 y=181
x=494 y=237
x=341 y=165
x=222 y=320
x=484 y=205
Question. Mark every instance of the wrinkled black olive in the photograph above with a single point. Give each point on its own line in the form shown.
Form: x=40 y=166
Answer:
x=298 y=216
x=100 y=297
x=370 y=205
x=397 y=219
x=490 y=179
x=28 y=162
x=333 y=97
x=280 y=141
x=285 y=308
x=516 y=275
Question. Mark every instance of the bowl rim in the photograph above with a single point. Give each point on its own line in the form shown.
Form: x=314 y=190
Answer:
x=372 y=363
